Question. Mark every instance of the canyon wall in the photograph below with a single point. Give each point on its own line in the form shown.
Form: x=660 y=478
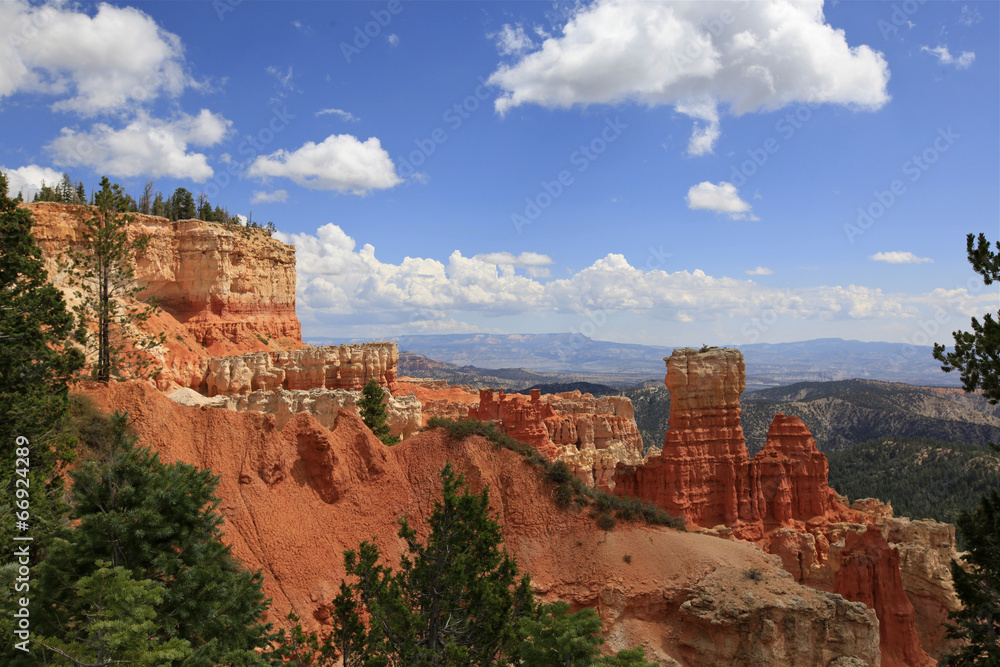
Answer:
x=293 y=500
x=781 y=500
x=230 y=288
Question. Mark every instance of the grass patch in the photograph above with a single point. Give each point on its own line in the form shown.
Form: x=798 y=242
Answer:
x=569 y=490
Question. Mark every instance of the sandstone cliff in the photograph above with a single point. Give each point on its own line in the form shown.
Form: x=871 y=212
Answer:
x=222 y=285
x=294 y=499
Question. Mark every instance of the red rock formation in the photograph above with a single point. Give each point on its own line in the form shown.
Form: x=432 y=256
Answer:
x=592 y=435
x=702 y=473
x=520 y=416
x=869 y=572
x=228 y=288
x=294 y=500
x=788 y=477
x=780 y=500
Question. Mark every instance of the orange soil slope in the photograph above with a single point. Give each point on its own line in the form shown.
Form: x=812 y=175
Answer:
x=294 y=500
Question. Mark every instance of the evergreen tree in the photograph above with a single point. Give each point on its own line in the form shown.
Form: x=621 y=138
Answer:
x=65 y=191
x=372 y=412
x=157 y=523
x=81 y=194
x=977 y=353
x=104 y=273
x=455 y=599
x=112 y=622
x=159 y=207
x=977 y=356
x=977 y=623
x=37 y=356
x=181 y=205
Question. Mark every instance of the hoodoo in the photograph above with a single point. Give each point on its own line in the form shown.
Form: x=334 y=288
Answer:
x=780 y=499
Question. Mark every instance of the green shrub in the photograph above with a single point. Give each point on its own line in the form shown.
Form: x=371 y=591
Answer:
x=605 y=521
x=559 y=473
x=564 y=495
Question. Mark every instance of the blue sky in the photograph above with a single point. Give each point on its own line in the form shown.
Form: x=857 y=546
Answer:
x=648 y=172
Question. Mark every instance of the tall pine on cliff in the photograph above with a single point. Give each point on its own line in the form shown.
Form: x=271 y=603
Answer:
x=103 y=271
x=37 y=358
x=137 y=519
x=372 y=412
x=977 y=357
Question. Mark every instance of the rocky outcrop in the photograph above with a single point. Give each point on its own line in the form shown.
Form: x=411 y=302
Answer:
x=781 y=500
x=329 y=367
x=592 y=435
x=702 y=472
x=293 y=497
x=926 y=549
x=788 y=477
x=228 y=287
x=762 y=626
x=403 y=413
x=522 y=417
x=868 y=571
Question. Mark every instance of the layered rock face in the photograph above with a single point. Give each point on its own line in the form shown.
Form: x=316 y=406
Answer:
x=221 y=285
x=868 y=571
x=592 y=435
x=329 y=367
x=319 y=380
x=788 y=477
x=403 y=413
x=293 y=497
x=702 y=472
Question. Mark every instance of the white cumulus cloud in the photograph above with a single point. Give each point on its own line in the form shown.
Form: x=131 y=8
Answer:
x=898 y=257
x=945 y=58
x=111 y=61
x=759 y=271
x=262 y=197
x=722 y=198
x=342 y=284
x=29 y=179
x=145 y=146
x=340 y=162
x=698 y=57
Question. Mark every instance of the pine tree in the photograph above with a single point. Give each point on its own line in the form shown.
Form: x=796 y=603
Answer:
x=977 y=353
x=977 y=356
x=112 y=622
x=159 y=523
x=454 y=600
x=37 y=356
x=372 y=412
x=103 y=272
x=977 y=623
x=159 y=208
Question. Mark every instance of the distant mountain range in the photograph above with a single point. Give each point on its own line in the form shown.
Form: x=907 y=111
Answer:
x=619 y=364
